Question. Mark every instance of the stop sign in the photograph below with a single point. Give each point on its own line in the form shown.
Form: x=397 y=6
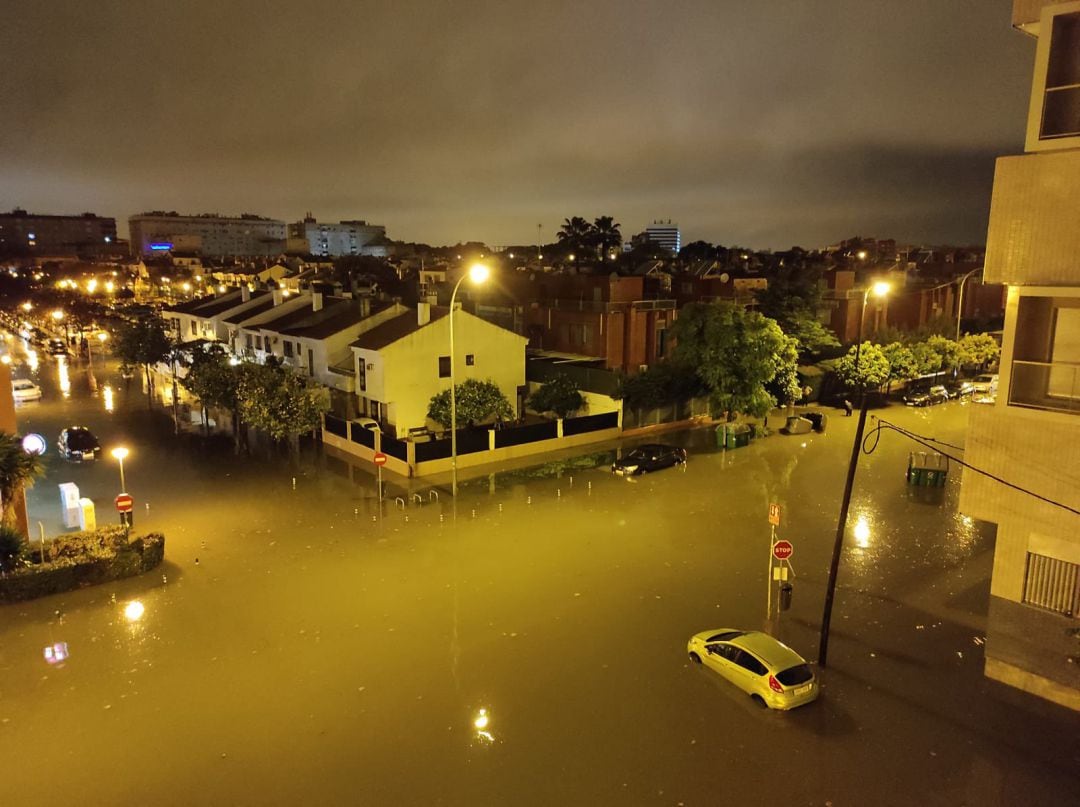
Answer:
x=782 y=550
x=379 y=459
x=124 y=503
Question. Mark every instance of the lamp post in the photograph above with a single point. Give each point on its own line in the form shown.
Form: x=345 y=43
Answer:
x=119 y=453
x=880 y=290
x=960 y=300
x=477 y=274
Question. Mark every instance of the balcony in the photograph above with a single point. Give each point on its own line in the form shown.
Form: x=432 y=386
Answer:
x=1033 y=239
x=1052 y=386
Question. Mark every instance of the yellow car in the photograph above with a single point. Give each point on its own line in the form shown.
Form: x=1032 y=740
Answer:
x=768 y=670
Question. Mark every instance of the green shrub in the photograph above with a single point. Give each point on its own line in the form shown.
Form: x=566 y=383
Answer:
x=12 y=547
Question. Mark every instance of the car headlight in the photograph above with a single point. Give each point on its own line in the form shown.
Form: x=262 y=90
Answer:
x=630 y=467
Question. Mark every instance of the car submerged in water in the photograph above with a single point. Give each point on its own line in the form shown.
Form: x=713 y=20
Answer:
x=927 y=396
x=78 y=444
x=651 y=457
x=769 y=671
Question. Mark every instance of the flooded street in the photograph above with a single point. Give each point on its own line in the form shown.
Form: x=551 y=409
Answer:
x=298 y=648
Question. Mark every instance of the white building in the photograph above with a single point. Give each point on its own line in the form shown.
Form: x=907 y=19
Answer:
x=342 y=238
x=1031 y=435
x=405 y=361
x=208 y=235
x=665 y=234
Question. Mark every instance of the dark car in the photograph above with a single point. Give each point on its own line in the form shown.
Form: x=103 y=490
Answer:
x=56 y=347
x=960 y=388
x=78 y=443
x=647 y=458
x=927 y=397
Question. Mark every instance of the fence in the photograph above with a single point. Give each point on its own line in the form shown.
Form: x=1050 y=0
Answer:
x=590 y=423
x=518 y=435
x=336 y=425
x=393 y=447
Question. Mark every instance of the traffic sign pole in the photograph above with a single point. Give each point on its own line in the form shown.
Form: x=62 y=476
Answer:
x=380 y=460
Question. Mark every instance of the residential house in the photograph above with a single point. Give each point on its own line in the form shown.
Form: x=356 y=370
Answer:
x=402 y=363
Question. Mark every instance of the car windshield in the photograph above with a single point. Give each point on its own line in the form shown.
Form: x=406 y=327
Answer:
x=793 y=676
x=637 y=455
x=24 y=384
x=81 y=439
x=726 y=636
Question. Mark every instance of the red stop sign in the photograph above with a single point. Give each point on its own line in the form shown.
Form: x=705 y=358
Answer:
x=124 y=503
x=379 y=458
x=782 y=550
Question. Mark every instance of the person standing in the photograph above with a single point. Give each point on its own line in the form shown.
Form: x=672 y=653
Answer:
x=847 y=408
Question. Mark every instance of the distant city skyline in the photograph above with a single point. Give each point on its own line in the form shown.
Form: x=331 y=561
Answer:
x=765 y=127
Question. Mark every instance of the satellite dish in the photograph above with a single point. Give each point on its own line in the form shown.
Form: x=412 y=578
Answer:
x=725 y=277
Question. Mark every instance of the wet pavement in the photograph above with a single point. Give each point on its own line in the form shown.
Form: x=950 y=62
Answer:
x=297 y=648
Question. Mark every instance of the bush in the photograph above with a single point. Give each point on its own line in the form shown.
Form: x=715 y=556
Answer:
x=12 y=547
x=83 y=559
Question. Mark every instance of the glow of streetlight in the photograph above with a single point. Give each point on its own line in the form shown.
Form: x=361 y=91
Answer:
x=91 y=285
x=57 y=314
x=109 y=286
x=881 y=288
x=861 y=255
x=102 y=336
x=478 y=273
x=119 y=452
x=26 y=306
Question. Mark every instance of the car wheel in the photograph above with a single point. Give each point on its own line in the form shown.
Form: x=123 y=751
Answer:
x=760 y=701
x=694 y=657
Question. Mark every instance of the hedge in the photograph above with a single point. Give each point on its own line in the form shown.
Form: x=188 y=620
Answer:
x=81 y=559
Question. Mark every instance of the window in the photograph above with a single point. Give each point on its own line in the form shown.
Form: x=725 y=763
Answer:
x=361 y=374
x=469 y=359
x=247 y=340
x=661 y=342
x=1061 y=98
x=288 y=350
x=748 y=662
x=444 y=366
x=1052 y=584
x=194 y=328
x=258 y=342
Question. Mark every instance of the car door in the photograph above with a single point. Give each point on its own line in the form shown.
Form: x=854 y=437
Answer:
x=718 y=657
x=749 y=670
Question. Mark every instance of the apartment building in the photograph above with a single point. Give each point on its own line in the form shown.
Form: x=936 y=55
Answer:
x=208 y=235
x=32 y=233
x=336 y=239
x=1030 y=437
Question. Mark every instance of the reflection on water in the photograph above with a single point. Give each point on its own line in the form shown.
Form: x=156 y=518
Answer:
x=134 y=611
x=32 y=360
x=862 y=532
x=107 y=397
x=481 y=723
x=64 y=379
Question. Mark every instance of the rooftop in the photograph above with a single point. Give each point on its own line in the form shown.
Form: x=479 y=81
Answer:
x=397 y=328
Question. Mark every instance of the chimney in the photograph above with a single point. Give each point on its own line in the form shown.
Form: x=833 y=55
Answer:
x=277 y=296
x=245 y=293
x=423 y=313
x=316 y=301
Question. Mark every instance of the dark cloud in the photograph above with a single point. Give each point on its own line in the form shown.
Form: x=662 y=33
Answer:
x=764 y=124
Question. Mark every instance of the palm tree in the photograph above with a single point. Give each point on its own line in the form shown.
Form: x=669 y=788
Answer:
x=606 y=235
x=18 y=470
x=575 y=233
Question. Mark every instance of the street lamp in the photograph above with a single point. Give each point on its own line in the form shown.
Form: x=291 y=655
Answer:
x=960 y=300
x=478 y=273
x=119 y=453
x=880 y=290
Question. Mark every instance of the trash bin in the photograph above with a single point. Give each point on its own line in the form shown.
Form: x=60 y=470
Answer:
x=817 y=420
x=785 y=596
x=721 y=436
x=797 y=425
x=741 y=435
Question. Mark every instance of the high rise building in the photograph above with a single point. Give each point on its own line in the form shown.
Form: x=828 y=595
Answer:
x=207 y=234
x=29 y=233
x=665 y=234
x=1030 y=437
x=332 y=240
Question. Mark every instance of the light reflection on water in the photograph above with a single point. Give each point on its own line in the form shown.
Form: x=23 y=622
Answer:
x=63 y=377
x=107 y=397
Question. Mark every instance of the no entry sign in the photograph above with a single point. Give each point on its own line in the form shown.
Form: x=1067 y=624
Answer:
x=379 y=459
x=782 y=550
x=124 y=503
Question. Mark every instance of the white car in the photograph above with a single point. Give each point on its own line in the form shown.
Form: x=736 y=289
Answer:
x=23 y=389
x=986 y=384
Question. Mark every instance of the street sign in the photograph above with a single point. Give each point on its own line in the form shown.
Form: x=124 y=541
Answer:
x=379 y=459
x=774 y=515
x=124 y=503
x=782 y=550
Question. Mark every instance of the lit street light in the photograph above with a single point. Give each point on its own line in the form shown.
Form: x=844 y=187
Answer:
x=478 y=273
x=119 y=453
x=880 y=290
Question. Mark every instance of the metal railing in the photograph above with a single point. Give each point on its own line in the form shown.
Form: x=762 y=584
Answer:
x=1052 y=584
x=1053 y=386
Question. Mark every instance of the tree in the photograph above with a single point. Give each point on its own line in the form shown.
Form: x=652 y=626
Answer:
x=927 y=360
x=146 y=342
x=18 y=470
x=279 y=402
x=476 y=401
x=559 y=395
x=902 y=363
x=871 y=371
x=659 y=385
x=575 y=233
x=213 y=380
x=735 y=353
x=978 y=349
x=794 y=298
x=947 y=349
x=606 y=235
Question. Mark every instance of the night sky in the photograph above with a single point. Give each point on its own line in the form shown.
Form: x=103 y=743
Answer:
x=763 y=124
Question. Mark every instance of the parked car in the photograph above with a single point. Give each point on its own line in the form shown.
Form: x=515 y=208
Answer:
x=960 y=388
x=768 y=670
x=927 y=397
x=367 y=423
x=56 y=347
x=986 y=384
x=23 y=389
x=78 y=443
x=651 y=457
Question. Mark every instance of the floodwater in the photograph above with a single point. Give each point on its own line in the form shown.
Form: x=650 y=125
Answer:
x=297 y=647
